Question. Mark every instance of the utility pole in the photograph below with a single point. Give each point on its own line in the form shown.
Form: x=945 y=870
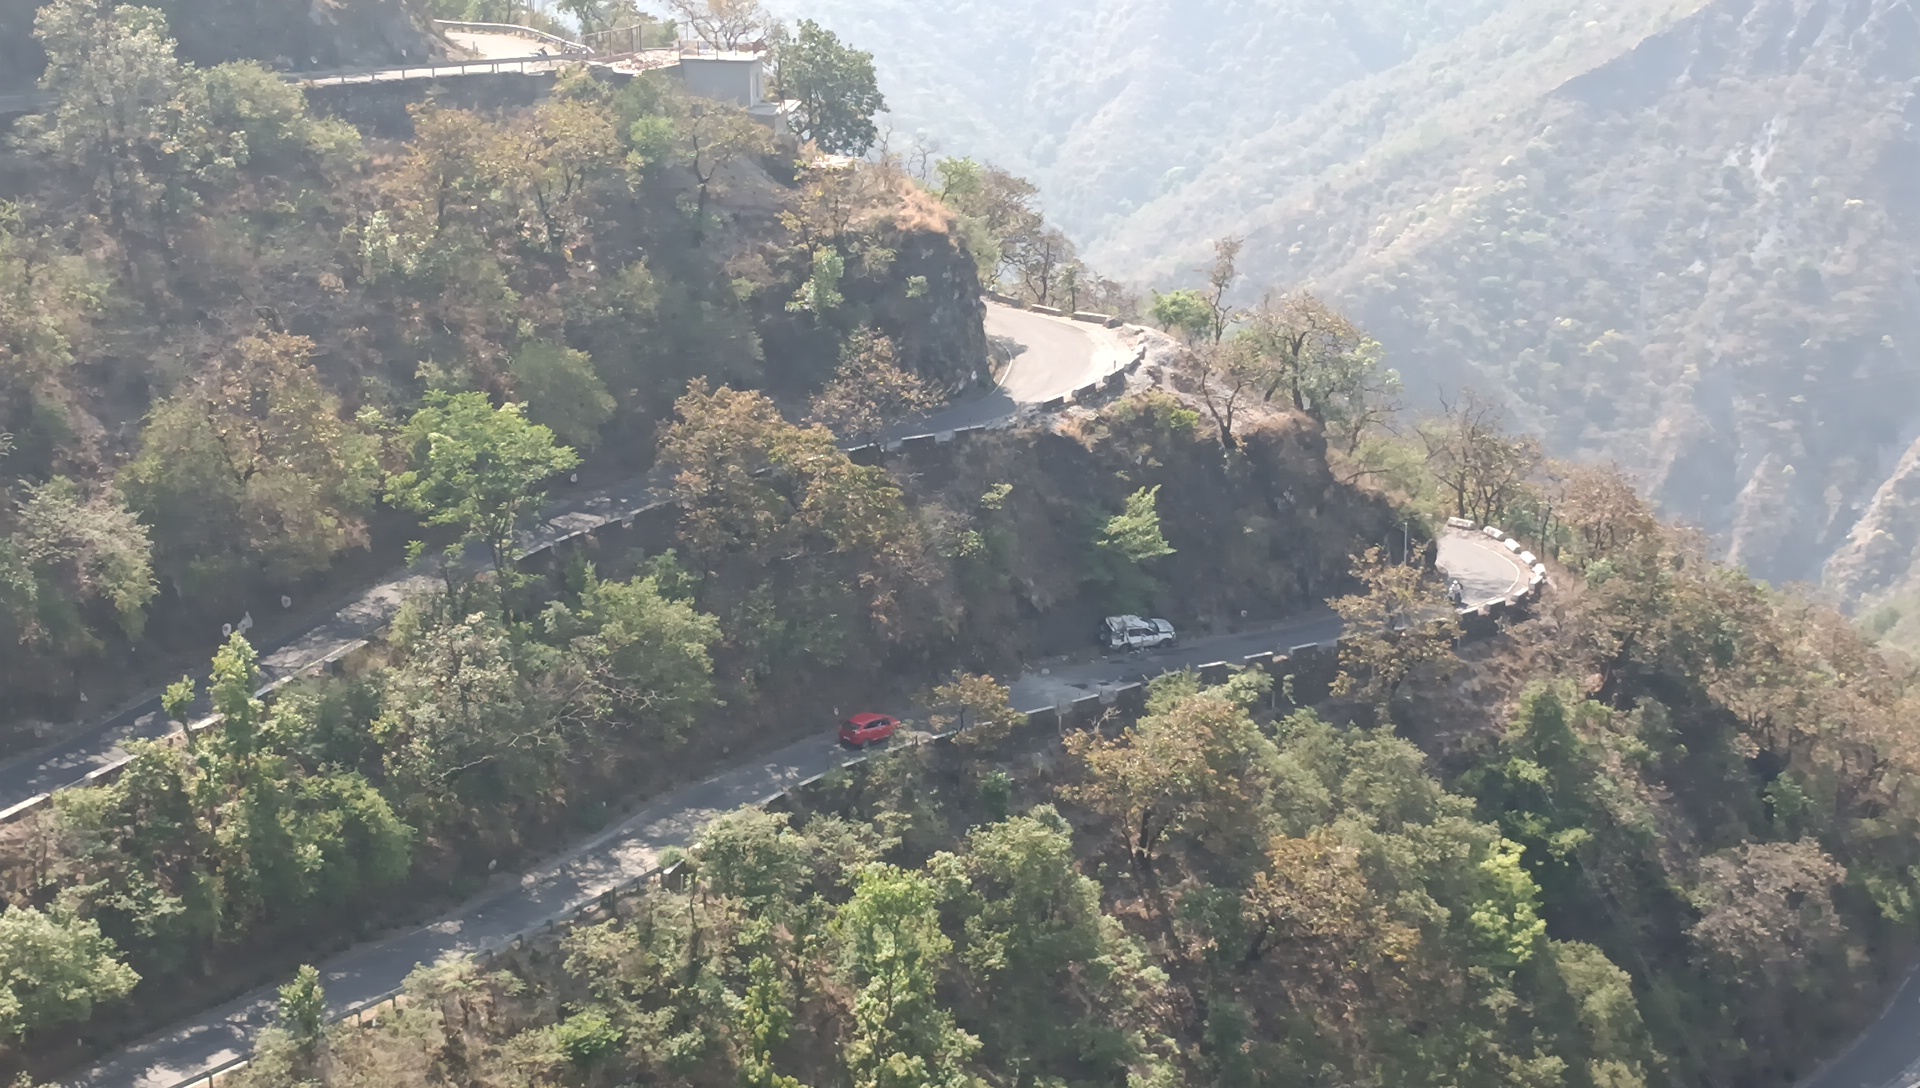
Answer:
x=1406 y=542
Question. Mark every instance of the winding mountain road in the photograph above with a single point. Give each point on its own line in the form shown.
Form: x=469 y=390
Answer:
x=1063 y=355
x=1887 y=1054
x=1058 y=357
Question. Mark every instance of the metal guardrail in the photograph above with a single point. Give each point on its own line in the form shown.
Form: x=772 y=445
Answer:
x=517 y=31
x=427 y=71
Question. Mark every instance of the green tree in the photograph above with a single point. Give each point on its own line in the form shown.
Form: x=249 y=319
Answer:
x=133 y=122
x=1483 y=468
x=303 y=1012
x=1185 y=312
x=562 y=392
x=1227 y=374
x=478 y=467
x=1325 y=365
x=757 y=857
x=835 y=86
x=1196 y=769
x=562 y=147
x=791 y=524
x=48 y=302
x=1134 y=534
x=1125 y=544
x=67 y=554
x=269 y=116
x=54 y=968
x=464 y=718
x=1044 y=956
x=713 y=135
x=649 y=657
x=995 y=210
x=893 y=955
x=189 y=846
x=725 y=25
x=977 y=708
x=766 y=1017
x=819 y=294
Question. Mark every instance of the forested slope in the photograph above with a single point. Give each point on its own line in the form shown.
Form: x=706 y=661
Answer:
x=219 y=308
x=1660 y=835
x=1677 y=234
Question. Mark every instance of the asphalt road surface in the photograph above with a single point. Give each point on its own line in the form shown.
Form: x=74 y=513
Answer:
x=1057 y=356
x=491 y=45
x=1040 y=690
x=1886 y=1055
x=619 y=855
x=1486 y=570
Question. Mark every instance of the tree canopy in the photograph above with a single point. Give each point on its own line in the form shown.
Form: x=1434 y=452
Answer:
x=476 y=466
x=835 y=86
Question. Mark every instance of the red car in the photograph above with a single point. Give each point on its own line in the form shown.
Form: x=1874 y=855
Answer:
x=864 y=729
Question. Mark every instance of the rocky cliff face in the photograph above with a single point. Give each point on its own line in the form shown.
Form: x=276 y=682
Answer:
x=1883 y=549
x=931 y=307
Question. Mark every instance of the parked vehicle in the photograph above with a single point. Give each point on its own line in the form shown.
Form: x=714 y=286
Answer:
x=864 y=729
x=1134 y=633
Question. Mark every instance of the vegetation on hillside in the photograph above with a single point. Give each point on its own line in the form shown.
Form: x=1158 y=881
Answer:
x=1663 y=835
x=506 y=708
x=219 y=310
x=1662 y=832
x=1673 y=234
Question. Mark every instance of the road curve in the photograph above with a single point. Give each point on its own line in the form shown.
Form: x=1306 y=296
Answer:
x=1486 y=570
x=614 y=858
x=617 y=856
x=1057 y=356
x=1887 y=1054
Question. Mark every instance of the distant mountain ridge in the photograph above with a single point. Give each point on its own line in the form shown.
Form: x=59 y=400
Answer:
x=1677 y=234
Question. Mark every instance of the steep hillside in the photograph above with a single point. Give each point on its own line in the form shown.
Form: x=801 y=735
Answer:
x=1108 y=104
x=295 y=35
x=1674 y=233
x=1693 y=258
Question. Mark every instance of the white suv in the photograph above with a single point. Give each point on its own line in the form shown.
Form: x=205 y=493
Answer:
x=1134 y=633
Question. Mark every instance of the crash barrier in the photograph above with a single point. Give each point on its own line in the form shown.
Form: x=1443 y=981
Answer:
x=1486 y=618
x=1305 y=673
x=1108 y=320
x=410 y=72
x=1007 y=300
x=1050 y=311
